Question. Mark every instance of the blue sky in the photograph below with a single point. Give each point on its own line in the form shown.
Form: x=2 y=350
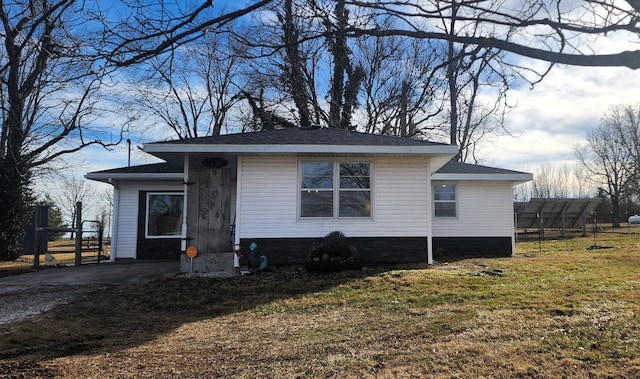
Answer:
x=547 y=122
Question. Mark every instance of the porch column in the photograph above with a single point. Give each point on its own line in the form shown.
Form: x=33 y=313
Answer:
x=209 y=209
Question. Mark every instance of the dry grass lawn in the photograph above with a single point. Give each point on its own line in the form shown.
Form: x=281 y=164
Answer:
x=555 y=310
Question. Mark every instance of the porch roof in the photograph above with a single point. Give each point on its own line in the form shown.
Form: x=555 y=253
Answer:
x=453 y=170
x=155 y=171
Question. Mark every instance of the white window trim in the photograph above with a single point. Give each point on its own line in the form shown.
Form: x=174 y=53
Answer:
x=146 y=216
x=434 y=184
x=336 y=188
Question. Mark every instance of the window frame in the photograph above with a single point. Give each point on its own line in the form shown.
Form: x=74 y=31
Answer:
x=336 y=190
x=147 y=218
x=436 y=201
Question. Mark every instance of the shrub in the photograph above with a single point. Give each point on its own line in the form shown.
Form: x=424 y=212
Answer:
x=335 y=254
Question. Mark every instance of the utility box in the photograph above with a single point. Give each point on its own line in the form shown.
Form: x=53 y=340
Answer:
x=39 y=218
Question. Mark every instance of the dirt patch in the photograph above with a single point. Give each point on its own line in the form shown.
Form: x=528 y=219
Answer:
x=27 y=369
x=22 y=302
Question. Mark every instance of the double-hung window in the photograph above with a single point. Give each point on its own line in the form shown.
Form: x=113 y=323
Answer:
x=335 y=189
x=444 y=200
x=164 y=215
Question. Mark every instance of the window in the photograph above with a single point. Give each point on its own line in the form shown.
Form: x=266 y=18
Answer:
x=317 y=189
x=335 y=188
x=355 y=190
x=444 y=204
x=164 y=215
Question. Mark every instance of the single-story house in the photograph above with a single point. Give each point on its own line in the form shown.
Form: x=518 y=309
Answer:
x=400 y=201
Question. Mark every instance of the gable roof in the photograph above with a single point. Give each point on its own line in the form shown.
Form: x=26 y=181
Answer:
x=305 y=141
x=302 y=136
x=300 y=141
x=454 y=170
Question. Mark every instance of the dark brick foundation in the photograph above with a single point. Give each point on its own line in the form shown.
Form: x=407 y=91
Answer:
x=393 y=251
x=463 y=247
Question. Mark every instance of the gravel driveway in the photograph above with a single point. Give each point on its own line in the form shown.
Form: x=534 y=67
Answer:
x=27 y=295
x=21 y=302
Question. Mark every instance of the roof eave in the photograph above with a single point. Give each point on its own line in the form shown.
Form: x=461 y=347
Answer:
x=515 y=178
x=298 y=149
x=110 y=177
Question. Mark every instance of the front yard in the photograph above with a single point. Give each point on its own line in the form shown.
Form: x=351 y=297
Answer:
x=558 y=309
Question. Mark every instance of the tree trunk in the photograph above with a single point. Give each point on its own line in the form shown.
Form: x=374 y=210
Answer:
x=15 y=203
x=615 y=211
x=451 y=77
x=295 y=75
x=339 y=50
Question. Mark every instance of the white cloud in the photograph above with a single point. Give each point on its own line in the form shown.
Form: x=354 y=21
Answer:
x=558 y=112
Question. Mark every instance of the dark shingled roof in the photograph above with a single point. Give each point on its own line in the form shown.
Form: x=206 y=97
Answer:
x=155 y=168
x=454 y=167
x=303 y=136
x=451 y=167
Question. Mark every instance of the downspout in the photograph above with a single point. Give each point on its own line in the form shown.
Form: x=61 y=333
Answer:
x=514 y=226
x=236 y=260
x=114 y=220
x=429 y=215
x=185 y=181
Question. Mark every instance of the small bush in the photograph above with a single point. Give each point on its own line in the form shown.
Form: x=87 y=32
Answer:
x=334 y=255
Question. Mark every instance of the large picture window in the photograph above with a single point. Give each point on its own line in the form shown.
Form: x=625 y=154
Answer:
x=164 y=215
x=444 y=200
x=330 y=189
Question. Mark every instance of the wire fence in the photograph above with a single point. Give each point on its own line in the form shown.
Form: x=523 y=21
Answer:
x=594 y=234
x=62 y=252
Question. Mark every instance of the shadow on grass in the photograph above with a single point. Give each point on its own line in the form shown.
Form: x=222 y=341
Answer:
x=128 y=316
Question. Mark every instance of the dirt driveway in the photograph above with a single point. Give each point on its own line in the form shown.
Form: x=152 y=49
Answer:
x=26 y=295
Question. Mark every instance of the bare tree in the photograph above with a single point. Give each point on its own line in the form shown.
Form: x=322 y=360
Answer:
x=59 y=56
x=557 y=31
x=544 y=182
x=191 y=89
x=552 y=31
x=155 y=28
x=624 y=120
x=72 y=190
x=478 y=85
x=57 y=65
x=106 y=208
x=294 y=66
x=581 y=189
x=347 y=76
x=402 y=86
x=563 y=181
x=282 y=67
x=609 y=163
x=50 y=94
x=288 y=58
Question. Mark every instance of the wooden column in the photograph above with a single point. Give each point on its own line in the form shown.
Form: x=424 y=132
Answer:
x=209 y=209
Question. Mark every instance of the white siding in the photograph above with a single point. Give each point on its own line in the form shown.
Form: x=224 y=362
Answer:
x=268 y=201
x=127 y=224
x=401 y=197
x=485 y=209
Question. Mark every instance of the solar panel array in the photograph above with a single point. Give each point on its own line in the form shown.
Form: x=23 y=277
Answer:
x=554 y=213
